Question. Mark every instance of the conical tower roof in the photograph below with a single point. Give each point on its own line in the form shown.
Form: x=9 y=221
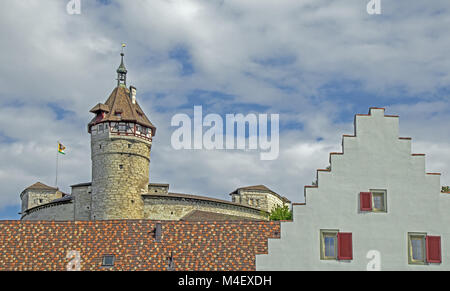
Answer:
x=119 y=107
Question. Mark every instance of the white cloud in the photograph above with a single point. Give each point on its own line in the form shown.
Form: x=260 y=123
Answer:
x=277 y=54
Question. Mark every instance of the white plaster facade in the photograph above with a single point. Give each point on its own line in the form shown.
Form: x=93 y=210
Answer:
x=374 y=158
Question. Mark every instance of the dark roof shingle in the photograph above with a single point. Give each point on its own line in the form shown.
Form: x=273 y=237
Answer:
x=119 y=102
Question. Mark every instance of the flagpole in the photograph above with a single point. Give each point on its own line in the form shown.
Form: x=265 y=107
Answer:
x=56 y=179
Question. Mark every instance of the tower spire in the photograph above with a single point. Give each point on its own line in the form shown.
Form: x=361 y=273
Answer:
x=122 y=71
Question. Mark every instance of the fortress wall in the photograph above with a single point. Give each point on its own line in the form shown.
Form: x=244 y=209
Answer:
x=36 y=197
x=120 y=169
x=267 y=201
x=174 y=208
x=82 y=196
x=53 y=212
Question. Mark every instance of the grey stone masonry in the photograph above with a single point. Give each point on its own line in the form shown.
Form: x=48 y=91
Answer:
x=83 y=202
x=120 y=175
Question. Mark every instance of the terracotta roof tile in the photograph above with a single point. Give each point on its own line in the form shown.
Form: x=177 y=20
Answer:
x=194 y=246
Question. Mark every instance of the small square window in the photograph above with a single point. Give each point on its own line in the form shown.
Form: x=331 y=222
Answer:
x=378 y=200
x=416 y=248
x=328 y=244
x=121 y=167
x=108 y=261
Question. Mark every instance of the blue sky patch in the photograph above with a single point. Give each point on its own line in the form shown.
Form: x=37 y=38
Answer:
x=182 y=56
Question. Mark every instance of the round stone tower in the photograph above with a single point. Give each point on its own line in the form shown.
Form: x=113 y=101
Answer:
x=121 y=140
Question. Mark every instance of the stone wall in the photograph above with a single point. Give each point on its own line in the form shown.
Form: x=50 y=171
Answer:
x=262 y=200
x=83 y=203
x=158 y=188
x=174 y=208
x=120 y=174
x=35 y=197
x=53 y=212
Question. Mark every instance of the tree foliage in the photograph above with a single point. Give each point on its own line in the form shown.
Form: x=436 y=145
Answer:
x=281 y=213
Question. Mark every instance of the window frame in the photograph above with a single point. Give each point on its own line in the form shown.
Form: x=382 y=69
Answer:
x=332 y=233
x=411 y=260
x=108 y=265
x=376 y=192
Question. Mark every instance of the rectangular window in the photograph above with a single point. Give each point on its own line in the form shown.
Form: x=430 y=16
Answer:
x=336 y=245
x=416 y=248
x=158 y=232
x=328 y=244
x=379 y=200
x=122 y=127
x=130 y=127
x=108 y=261
x=423 y=249
x=374 y=201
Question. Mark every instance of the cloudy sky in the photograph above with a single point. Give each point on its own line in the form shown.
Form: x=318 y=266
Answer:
x=314 y=62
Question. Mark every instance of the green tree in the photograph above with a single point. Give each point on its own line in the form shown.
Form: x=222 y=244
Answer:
x=281 y=213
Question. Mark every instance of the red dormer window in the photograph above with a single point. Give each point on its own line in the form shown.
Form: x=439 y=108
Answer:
x=100 y=116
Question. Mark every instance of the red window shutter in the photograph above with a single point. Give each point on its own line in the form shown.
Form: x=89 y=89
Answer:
x=365 y=201
x=345 y=247
x=433 y=244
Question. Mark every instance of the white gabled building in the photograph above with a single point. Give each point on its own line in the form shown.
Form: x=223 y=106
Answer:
x=375 y=206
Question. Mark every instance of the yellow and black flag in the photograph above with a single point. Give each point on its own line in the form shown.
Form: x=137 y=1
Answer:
x=61 y=148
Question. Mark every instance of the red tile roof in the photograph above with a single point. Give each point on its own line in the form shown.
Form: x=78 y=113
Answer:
x=193 y=245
